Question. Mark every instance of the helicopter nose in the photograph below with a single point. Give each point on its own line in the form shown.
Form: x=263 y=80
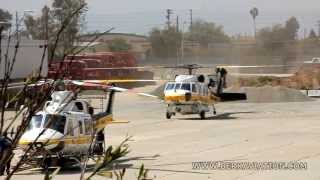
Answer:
x=41 y=138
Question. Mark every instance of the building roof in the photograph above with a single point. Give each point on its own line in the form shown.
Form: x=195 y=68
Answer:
x=114 y=34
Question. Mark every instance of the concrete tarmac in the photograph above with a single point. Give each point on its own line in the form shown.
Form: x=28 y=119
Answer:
x=240 y=132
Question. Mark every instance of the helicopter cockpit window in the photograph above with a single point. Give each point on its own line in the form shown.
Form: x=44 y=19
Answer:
x=186 y=86
x=78 y=107
x=55 y=122
x=35 y=122
x=170 y=86
x=177 y=86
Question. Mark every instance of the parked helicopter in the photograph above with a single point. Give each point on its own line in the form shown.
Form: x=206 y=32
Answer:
x=67 y=128
x=196 y=94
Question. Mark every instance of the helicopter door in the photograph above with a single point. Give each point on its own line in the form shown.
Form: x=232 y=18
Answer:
x=80 y=132
x=70 y=135
x=83 y=132
x=194 y=88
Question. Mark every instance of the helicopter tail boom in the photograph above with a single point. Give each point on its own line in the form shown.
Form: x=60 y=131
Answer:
x=232 y=96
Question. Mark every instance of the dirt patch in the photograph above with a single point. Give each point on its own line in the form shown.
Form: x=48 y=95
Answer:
x=307 y=77
x=267 y=94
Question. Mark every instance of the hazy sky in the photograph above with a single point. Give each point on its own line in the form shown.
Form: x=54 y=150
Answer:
x=141 y=15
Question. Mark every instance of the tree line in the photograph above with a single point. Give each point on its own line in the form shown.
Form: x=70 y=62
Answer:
x=279 y=39
x=276 y=40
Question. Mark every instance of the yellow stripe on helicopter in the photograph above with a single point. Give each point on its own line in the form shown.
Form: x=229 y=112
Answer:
x=86 y=139
x=83 y=139
x=181 y=98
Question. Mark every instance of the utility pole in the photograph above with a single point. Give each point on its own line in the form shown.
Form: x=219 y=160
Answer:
x=46 y=28
x=191 y=19
x=319 y=28
x=169 y=12
x=17 y=24
x=182 y=41
x=178 y=47
x=177 y=24
x=191 y=28
x=305 y=31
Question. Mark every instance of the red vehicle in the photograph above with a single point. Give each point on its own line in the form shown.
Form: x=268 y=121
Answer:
x=91 y=66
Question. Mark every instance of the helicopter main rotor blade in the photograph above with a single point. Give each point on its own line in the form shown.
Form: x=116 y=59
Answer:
x=261 y=75
x=192 y=66
x=257 y=66
x=132 y=91
x=111 y=87
x=118 y=81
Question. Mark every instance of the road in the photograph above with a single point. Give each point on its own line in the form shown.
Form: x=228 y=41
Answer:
x=241 y=131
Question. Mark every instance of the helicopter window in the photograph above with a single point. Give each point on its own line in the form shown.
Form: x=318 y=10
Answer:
x=186 y=86
x=35 y=122
x=211 y=83
x=80 y=127
x=170 y=86
x=47 y=104
x=203 y=88
x=55 y=122
x=200 y=90
x=177 y=86
x=78 y=106
x=70 y=128
x=88 y=127
x=205 y=91
x=194 y=88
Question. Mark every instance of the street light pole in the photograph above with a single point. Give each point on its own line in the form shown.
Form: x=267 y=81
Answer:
x=182 y=40
x=17 y=23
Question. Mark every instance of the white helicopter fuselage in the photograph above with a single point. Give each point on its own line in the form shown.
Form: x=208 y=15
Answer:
x=66 y=132
x=186 y=95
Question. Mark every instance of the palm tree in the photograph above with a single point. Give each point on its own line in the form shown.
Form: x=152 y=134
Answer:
x=254 y=13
